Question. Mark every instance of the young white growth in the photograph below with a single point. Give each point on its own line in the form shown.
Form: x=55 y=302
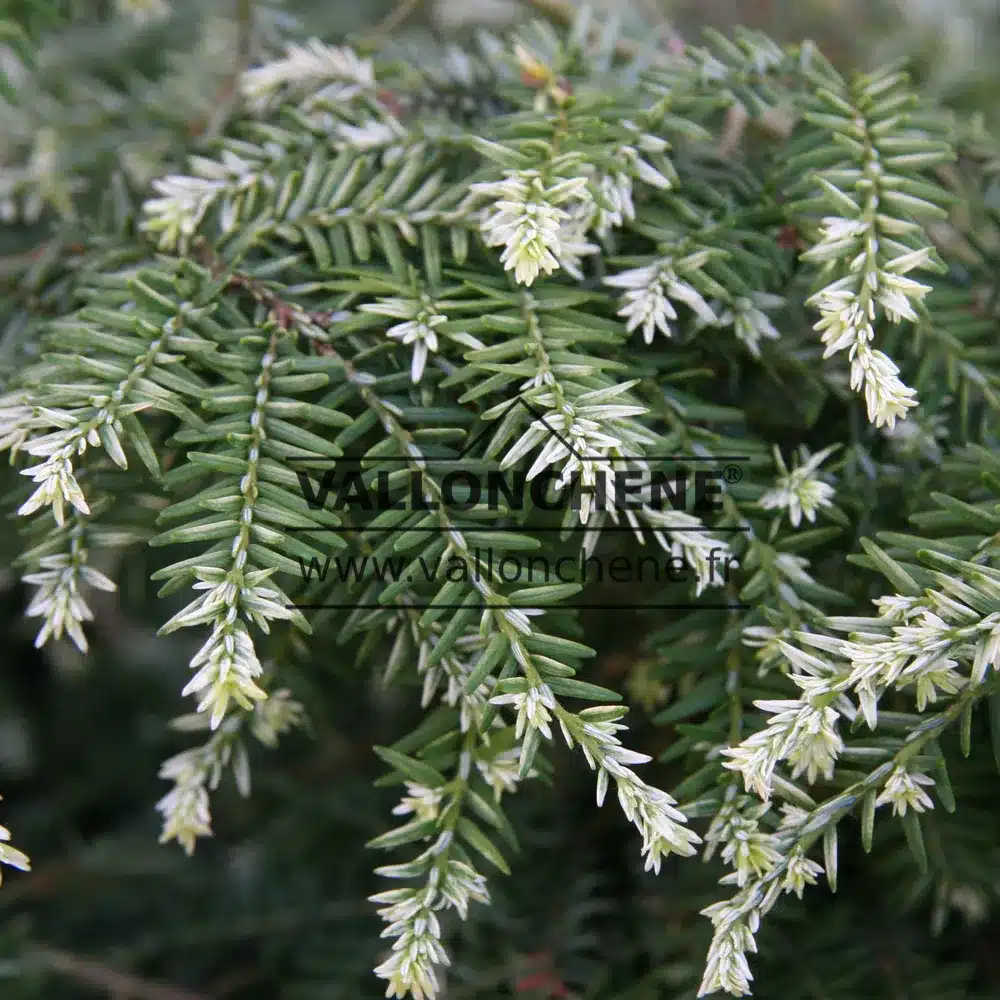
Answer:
x=847 y=307
x=56 y=484
x=894 y=608
x=799 y=492
x=17 y=421
x=726 y=967
x=767 y=641
x=528 y=218
x=653 y=812
x=648 y=174
x=534 y=707
x=421 y=318
x=424 y=803
x=10 y=855
x=737 y=921
x=987 y=648
x=275 y=717
x=341 y=73
x=71 y=432
x=793 y=569
x=184 y=200
x=749 y=320
x=920 y=643
x=614 y=205
x=886 y=397
x=502 y=771
x=678 y=533
x=576 y=439
x=227 y=665
x=227 y=669
x=411 y=967
x=920 y=652
x=174 y=216
x=706 y=555
x=373 y=134
x=58 y=600
x=185 y=808
x=799 y=732
x=751 y=851
x=651 y=292
x=800 y=872
x=452 y=671
x=905 y=790
x=411 y=915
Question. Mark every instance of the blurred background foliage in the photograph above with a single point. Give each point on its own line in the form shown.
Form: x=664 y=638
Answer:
x=273 y=907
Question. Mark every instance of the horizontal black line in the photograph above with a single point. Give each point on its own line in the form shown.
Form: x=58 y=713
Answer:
x=465 y=459
x=436 y=529
x=523 y=607
x=694 y=458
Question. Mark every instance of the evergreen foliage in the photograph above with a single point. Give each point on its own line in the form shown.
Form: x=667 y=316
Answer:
x=532 y=255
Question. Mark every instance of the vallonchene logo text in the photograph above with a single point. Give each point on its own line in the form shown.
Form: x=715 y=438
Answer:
x=607 y=490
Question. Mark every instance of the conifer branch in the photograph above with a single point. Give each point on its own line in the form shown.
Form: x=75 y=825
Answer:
x=483 y=283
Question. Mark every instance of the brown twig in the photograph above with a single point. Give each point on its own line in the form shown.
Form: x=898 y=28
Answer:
x=118 y=985
x=285 y=312
x=395 y=19
x=228 y=94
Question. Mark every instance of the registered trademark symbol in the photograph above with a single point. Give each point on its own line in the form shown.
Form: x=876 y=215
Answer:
x=732 y=473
